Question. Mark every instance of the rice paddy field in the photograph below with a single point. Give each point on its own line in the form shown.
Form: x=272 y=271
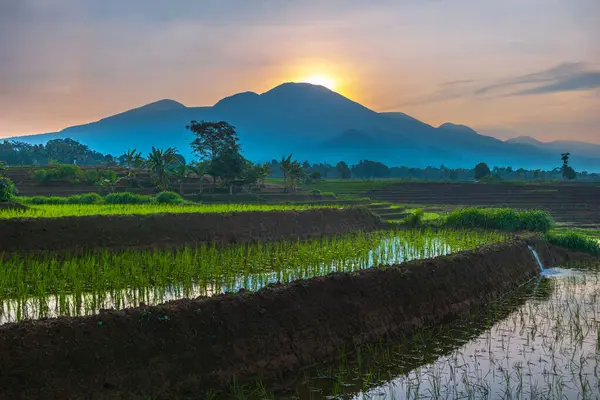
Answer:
x=36 y=286
x=540 y=342
x=81 y=210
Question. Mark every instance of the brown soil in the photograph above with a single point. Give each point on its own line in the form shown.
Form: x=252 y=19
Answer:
x=175 y=350
x=163 y=230
x=573 y=205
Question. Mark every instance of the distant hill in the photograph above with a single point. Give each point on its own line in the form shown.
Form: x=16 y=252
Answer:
x=316 y=124
x=582 y=149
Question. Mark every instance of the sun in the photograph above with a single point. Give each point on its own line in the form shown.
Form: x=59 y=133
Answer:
x=322 y=80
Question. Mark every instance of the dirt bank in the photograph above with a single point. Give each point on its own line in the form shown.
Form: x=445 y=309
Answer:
x=174 y=350
x=162 y=230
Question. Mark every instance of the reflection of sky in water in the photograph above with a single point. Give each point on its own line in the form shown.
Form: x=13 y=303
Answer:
x=548 y=348
x=390 y=251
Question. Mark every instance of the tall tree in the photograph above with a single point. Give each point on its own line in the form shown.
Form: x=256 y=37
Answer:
x=229 y=166
x=567 y=172
x=213 y=139
x=132 y=160
x=159 y=163
x=343 y=170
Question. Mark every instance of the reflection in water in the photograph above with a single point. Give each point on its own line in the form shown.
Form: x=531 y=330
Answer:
x=543 y=341
x=32 y=288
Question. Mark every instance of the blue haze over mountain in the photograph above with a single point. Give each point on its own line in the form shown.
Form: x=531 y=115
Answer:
x=318 y=125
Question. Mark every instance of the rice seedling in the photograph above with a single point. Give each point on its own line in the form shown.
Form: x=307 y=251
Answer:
x=39 y=285
x=81 y=210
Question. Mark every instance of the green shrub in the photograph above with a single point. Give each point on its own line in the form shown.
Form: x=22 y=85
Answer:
x=574 y=241
x=40 y=200
x=7 y=189
x=127 y=198
x=61 y=173
x=500 y=218
x=169 y=198
x=414 y=219
x=87 y=198
x=93 y=176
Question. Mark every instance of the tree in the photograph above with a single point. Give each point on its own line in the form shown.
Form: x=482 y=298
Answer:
x=292 y=173
x=159 y=163
x=315 y=176
x=229 y=166
x=179 y=172
x=343 y=170
x=7 y=189
x=66 y=151
x=200 y=169
x=213 y=139
x=132 y=160
x=567 y=172
x=2 y=168
x=481 y=171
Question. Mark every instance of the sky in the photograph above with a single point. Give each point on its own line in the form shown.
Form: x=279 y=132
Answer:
x=506 y=68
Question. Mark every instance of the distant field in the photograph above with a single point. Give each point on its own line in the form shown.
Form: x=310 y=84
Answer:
x=80 y=210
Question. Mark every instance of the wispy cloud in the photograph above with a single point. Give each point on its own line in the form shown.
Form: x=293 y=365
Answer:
x=581 y=81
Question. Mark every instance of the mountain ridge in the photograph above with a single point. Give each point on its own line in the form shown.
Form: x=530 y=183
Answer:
x=314 y=123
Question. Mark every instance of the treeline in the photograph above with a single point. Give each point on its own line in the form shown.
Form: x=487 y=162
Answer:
x=367 y=169
x=219 y=155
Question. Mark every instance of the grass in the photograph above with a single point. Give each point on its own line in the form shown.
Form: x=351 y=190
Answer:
x=499 y=218
x=574 y=240
x=42 y=285
x=81 y=210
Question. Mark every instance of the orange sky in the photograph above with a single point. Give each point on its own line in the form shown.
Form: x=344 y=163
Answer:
x=501 y=71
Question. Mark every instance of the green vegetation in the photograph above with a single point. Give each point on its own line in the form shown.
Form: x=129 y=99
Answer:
x=81 y=210
x=500 y=218
x=73 y=284
x=574 y=240
x=169 y=198
x=128 y=198
x=7 y=189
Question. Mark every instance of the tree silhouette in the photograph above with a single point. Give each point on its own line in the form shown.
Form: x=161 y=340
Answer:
x=481 y=170
x=567 y=172
x=159 y=164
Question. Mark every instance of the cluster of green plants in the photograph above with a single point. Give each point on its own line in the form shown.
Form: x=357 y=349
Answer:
x=500 y=218
x=7 y=186
x=141 y=207
x=574 y=240
x=113 y=198
x=72 y=174
x=43 y=284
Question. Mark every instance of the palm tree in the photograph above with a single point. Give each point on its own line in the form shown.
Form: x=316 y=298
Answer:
x=286 y=166
x=199 y=169
x=180 y=172
x=132 y=160
x=159 y=163
x=292 y=171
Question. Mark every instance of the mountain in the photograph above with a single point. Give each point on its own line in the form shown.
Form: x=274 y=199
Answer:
x=315 y=124
x=584 y=149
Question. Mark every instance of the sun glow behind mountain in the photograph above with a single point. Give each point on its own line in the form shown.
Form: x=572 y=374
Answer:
x=322 y=80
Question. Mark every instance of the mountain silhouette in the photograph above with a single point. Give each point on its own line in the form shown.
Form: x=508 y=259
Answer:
x=315 y=124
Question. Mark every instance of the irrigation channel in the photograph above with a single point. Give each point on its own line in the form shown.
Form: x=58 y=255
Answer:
x=540 y=342
x=40 y=286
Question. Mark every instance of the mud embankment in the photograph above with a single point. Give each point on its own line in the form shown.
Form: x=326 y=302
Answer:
x=175 y=350
x=164 y=230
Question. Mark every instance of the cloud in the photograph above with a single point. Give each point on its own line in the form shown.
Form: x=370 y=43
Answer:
x=581 y=81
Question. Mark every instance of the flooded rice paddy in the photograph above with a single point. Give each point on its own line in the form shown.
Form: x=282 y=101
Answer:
x=540 y=342
x=39 y=286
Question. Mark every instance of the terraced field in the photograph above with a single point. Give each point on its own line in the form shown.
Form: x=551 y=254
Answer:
x=571 y=205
